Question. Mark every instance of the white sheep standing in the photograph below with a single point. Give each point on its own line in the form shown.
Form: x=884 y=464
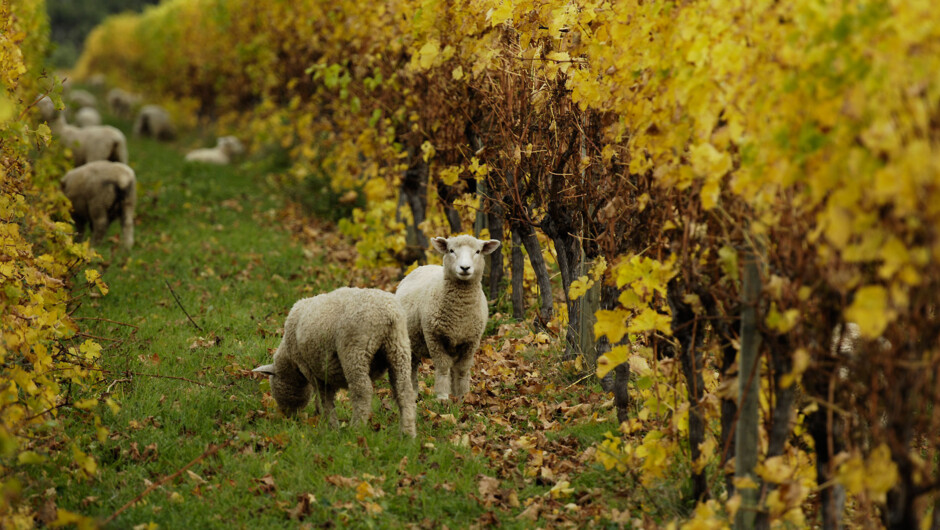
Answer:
x=102 y=192
x=227 y=148
x=447 y=311
x=154 y=121
x=346 y=338
x=88 y=144
x=46 y=109
x=82 y=98
x=122 y=102
x=87 y=117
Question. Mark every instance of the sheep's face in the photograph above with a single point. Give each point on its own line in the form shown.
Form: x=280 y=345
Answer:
x=463 y=255
x=231 y=145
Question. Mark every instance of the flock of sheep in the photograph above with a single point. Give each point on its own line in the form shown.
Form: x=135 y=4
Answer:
x=102 y=187
x=349 y=337
x=344 y=339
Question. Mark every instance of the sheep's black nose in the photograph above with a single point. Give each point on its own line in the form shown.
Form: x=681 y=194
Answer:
x=464 y=268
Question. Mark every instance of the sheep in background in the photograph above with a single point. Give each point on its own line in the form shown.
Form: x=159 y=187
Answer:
x=226 y=148
x=102 y=192
x=97 y=81
x=47 y=110
x=447 y=311
x=346 y=338
x=82 y=98
x=154 y=121
x=122 y=102
x=97 y=142
x=87 y=117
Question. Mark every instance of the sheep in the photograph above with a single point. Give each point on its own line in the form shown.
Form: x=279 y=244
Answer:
x=447 y=311
x=97 y=142
x=102 y=192
x=82 y=98
x=87 y=117
x=346 y=338
x=97 y=81
x=46 y=109
x=121 y=102
x=155 y=122
x=227 y=147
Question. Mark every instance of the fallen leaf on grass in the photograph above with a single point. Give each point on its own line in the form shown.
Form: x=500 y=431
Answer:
x=195 y=477
x=302 y=510
x=367 y=491
x=341 y=481
x=265 y=485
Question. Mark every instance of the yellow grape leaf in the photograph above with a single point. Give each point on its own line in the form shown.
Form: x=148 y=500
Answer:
x=611 y=323
x=457 y=73
x=500 y=14
x=428 y=54
x=870 y=311
x=30 y=457
x=650 y=320
x=579 y=287
x=450 y=175
x=86 y=404
x=781 y=322
x=801 y=362
x=610 y=360
x=91 y=275
x=881 y=472
x=775 y=470
x=709 y=162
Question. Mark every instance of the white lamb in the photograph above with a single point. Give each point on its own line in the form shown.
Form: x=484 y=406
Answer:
x=227 y=148
x=46 y=109
x=88 y=144
x=102 y=192
x=154 y=121
x=447 y=311
x=346 y=338
x=87 y=117
x=82 y=98
x=122 y=102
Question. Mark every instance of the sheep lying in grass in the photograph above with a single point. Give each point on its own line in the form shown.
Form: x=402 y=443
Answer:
x=154 y=121
x=122 y=102
x=447 y=311
x=346 y=338
x=227 y=148
x=88 y=144
x=102 y=192
x=87 y=117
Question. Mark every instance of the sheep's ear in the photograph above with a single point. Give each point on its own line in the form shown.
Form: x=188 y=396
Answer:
x=490 y=246
x=439 y=244
x=267 y=369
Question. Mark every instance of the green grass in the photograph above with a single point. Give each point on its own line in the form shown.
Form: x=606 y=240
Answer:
x=213 y=236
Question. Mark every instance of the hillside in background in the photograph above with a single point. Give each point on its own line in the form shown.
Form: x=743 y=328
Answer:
x=71 y=20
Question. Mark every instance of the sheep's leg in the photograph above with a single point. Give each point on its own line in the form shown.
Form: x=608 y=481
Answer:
x=127 y=224
x=403 y=391
x=442 y=368
x=327 y=403
x=99 y=227
x=80 y=224
x=356 y=369
x=461 y=370
x=415 y=363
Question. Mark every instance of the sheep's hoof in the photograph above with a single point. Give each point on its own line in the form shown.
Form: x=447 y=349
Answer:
x=443 y=397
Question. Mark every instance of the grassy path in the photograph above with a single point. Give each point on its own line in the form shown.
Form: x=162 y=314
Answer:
x=214 y=238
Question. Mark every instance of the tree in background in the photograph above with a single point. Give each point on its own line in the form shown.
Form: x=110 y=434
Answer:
x=71 y=20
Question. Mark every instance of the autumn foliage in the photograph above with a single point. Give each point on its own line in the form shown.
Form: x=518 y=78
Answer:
x=44 y=359
x=649 y=147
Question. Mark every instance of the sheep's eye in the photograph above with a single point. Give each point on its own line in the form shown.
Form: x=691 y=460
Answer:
x=451 y=251
x=478 y=252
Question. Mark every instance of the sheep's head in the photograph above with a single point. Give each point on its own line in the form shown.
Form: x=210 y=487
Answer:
x=231 y=145
x=463 y=255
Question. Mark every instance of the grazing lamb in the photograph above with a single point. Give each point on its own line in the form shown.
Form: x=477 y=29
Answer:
x=87 y=117
x=82 y=98
x=447 y=311
x=346 y=338
x=122 y=102
x=88 y=144
x=227 y=148
x=102 y=192
x=46 y=109
x=154 y=121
